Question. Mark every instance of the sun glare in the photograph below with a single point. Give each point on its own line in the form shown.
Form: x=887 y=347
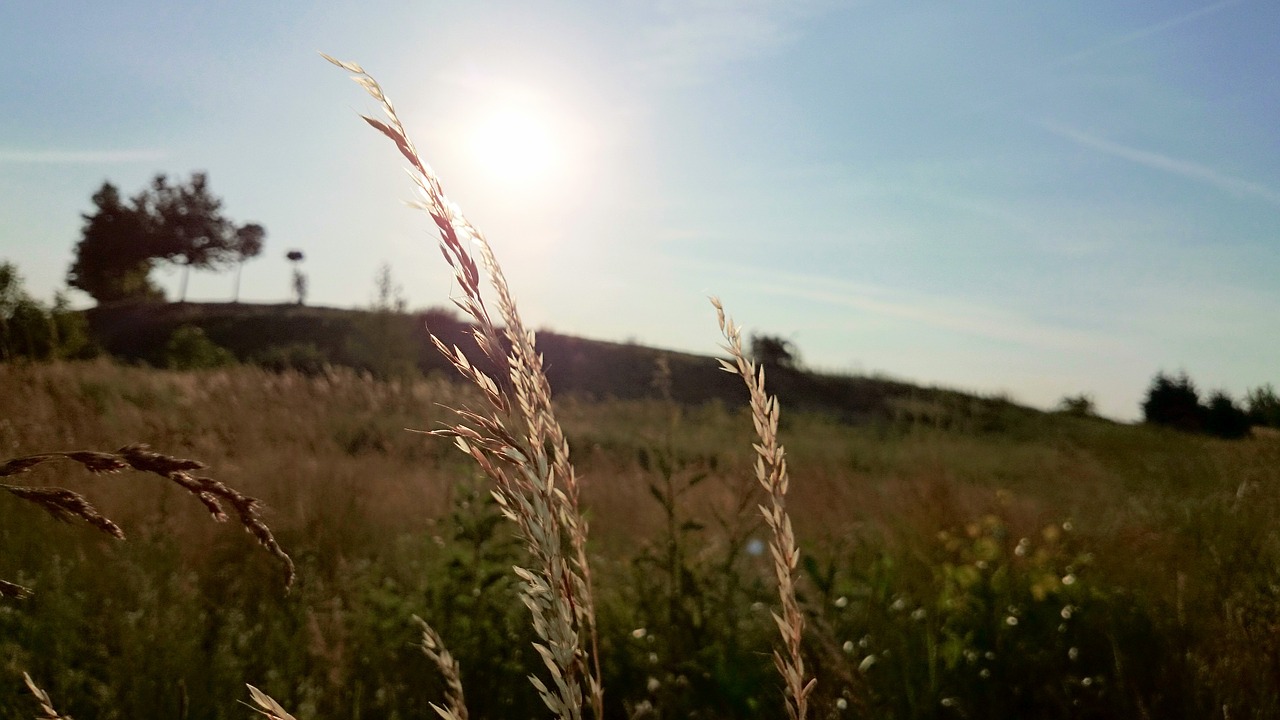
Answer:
x=515 y=145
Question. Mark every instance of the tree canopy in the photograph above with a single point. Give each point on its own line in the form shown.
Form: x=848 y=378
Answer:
x=114 y=256
x=1173 y=401
x=774 y=351
x=248 y=244
x=1264 y=406
x=178 y=223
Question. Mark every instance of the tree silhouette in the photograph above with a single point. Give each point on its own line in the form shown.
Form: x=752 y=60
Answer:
x=773 y=351
x=1264 y=406
x=1225 y=419
x=248 y=244
x=299 y=280
x=181 y=224
x=114 y=256
x=188 y=226
x=1174 y=402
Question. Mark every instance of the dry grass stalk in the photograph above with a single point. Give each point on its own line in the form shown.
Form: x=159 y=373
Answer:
x=517 y=441
x=66 y=505
x=433 y=647
x=267 y=706
x=14 y=590
x=46 y=703
x=771 y=471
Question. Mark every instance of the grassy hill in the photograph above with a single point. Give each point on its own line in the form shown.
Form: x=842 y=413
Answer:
x=961 y=556
x=382 y=342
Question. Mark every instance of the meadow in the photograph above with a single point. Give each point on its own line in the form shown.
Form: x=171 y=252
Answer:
x=946 y=557
x=1052 y=567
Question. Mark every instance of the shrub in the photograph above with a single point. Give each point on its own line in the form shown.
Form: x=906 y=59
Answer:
x=1081 y=405
x=1264 y=406
x=1173 y=402
x=29 y=329
x=305 y=358
x=190 y=349
x=1223 y=418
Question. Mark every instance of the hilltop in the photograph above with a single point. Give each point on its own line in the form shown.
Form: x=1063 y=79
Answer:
x=384 y=342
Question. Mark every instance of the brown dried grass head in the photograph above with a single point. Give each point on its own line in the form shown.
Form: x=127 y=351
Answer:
x=66 y=505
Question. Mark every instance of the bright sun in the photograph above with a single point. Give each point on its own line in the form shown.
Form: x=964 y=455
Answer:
x=516 y=146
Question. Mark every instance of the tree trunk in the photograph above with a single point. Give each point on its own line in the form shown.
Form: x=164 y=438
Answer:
x=182 y=293
x=235 y=297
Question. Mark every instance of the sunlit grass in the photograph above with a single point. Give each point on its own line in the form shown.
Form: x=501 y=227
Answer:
x=1179 y=532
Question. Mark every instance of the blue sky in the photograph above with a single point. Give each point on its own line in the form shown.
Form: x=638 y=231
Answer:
x=1039 y=199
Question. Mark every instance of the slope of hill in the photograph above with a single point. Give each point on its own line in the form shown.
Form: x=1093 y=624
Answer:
x=381 y=342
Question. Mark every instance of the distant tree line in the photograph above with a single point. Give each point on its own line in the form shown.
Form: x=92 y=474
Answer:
x=176 y=223
x=1173 y=401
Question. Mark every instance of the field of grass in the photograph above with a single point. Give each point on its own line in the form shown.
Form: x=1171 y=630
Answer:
x=1042 y=566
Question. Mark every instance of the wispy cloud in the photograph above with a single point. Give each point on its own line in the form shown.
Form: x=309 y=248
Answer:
x=79 y=157
x=931 y=312
x=1166 y=163
x=1148 y=31
x=938 y=313
x=694 y=40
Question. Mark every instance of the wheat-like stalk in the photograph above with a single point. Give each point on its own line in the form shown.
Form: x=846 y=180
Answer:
x=267 y=706
x=433 y=647
x=66 y=505
x=46 y=703
x=517 y=441
x=771 y=471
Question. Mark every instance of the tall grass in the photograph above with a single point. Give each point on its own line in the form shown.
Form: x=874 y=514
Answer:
x=911 y=540
x=771 y=471
x=520 y=445
x=517 y=442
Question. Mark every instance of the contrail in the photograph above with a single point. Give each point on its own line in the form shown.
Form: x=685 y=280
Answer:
x=78 y=157
x=1148 y=31
x=1166 y=163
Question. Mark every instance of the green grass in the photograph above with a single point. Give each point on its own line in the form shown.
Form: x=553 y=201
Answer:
x=912 y=534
